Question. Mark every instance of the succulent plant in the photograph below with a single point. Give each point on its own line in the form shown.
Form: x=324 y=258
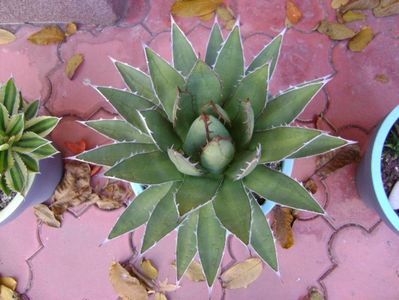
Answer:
x=22 y=136
x=202 y=135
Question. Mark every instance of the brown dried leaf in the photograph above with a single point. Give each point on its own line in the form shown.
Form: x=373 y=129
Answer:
x=114 y=195
x=338 y=3
x=335 y=31
x=48 y=35
x=351 y=16
x=242 y=274
x=125 y=285
x=361 y=39
x=149 y=270
x=73 y=64
x=71 y=29
x=165 y=287
x=332 y=161
x=311 y=186
x=382 y=78
x=194 y=8
x=294 y=13
x=360 y=5
x=282 y=226
x=194 y=271
x=387 y=8
x=160 y=296
x=9 y=282
x=8 y=294
x=44 y=214
x=6 y=37
x=226 y=14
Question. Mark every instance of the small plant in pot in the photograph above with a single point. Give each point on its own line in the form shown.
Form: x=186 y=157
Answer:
x=204 y=136
x=28 y=175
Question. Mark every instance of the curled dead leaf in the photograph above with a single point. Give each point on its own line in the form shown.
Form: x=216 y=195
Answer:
x=314 y=294
x=194 y=271
x=45 y=215
x=284 y=219
x=361 y=39
x=351 y=16
x=71 y=29
x=226 y=14
x=6 y=37
x=338 y=3
x=381 y=78
x=8 y=294
x=294 y=13
x=125 y=285
x=242 y=274
x=48 y=35
x=9 y=282
x=335 y=31
x=114 y=195
x=149 y=270
x=73 y=64
x=195 y=8
x=160 y=296
x=311 y=186
x=387 y=8
x=166 y=287
x=359 y=5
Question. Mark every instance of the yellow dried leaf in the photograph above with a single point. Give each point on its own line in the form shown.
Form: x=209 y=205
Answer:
x=360 y=5
x=194 y=272
x=8 y=294
x=165 y=287
x=125 y=285
x=44 y=214
x=9 y=282
x=387 y=8
x=335 y=31
x=311 y=186
x=242 y=274
x=351 y=16
x=332 y=161
x=6 y=37
x=282 y=226
x=382 y=78
x=149 y=270
x=338 y=3
x=194 y=8
x=294 y=13
x=160 y=296
x=48 y=35
x=73 y=64
x=71 y=29
x=361 y=39
x=226 y=14
x=207 y=17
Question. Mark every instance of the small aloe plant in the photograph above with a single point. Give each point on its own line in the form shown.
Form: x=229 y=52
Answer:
x=22 y=139
x=202 y=135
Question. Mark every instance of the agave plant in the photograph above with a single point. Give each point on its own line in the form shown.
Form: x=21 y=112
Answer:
x=22 y=139
x=202 y=135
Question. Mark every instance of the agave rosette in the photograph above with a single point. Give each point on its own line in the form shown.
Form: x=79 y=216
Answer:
x=201 y=134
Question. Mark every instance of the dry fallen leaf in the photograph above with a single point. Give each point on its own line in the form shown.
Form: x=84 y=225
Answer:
x=351 y=16
x=9 y=282
x=71 y=29
x=148 y=269
x=125 y=285
x=332 y=161
x=338 y=3
x=314 y=294
x=48 y=35
x=207 y=17
x=44 y=214
x=359 y=5
x=165 y=287
x=73 y=64
x=361 y=39
x=311 y=186
x=387 y=8
x=382 y=78
x=294 y=13
x=160 y=296
x=194 y=271
x=335 y=31
x=6 y=37
x=242 y=274
x=114 y=195
x=194 y=8
x=226 y=14
x=282 y=226
x=8 y=294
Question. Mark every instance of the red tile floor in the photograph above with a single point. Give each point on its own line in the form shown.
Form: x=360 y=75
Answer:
x=349 y=255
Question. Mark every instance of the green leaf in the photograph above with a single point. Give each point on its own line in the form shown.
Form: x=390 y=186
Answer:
x=230 y=63
x=163 y=219
x=243 y=124
x=243 y=164
x=323 y=143
x=280 y=188
x=183 y=114
x=15 y=126
x=109 y=155
x=204 y=85
x=183 y=164
x=6 y=160
x=31 y=164
x=269 y=54
x=217 y=111
x=286 y=107
x=186 y=244
x=137 y=81
x=127 y=105
x=4 y=119
x=184 y=56
x=31 y=110
x=119 y=130
x=211 y=241
x=166 y=81
x=281 y=142
x=45 y=151
x=195 y=192
x=217 y=154
x=214 y=45
x=17 y=175
x=262 y=237
x=160 y=129
x=29 y=142
x=147 y=168
x=253 y=87
x=42 y=125
x=232 y=208
x=11 y=97
x=4 y=147
x=4 y=187
x=138 y=212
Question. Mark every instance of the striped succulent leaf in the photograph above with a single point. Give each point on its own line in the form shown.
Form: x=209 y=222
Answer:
x=202 y=135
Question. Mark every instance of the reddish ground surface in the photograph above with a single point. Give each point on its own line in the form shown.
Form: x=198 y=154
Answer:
x=349 y=255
